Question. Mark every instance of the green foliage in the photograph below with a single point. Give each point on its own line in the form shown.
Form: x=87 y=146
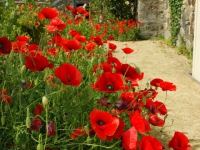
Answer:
x=16 y=20
x=113 y=9
x=175 y=18
x=185 y=51
x=180 y=50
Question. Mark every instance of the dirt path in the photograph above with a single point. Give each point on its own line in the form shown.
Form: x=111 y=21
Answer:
x=157 y=60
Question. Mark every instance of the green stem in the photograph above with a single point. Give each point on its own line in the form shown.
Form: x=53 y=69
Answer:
x=46 y=126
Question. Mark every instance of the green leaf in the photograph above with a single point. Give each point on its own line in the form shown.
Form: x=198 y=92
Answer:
x=144 y=100
x=148 y=95
x=138 y=70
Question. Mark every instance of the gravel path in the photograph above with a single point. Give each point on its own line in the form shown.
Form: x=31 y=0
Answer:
x=157 y=60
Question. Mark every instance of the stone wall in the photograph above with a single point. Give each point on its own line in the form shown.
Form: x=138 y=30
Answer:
x=155 y=18
x=153 y=14
x=187 y=23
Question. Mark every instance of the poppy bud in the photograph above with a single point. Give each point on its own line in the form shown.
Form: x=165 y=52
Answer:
x=11 y=55
x=44 y=100
x=2 y=120
x=28 y=120
x=23 y=70
x=17 y=138
x=39 y=147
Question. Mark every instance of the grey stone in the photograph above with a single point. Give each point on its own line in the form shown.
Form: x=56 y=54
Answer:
x=187 y=12
x=167 y=34
x=191 y=29
x=191 y=18
x=179 y=41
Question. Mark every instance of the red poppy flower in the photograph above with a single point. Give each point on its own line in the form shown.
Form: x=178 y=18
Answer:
x=90 y=46
x=20 y=46
x=139 y=122
x=179 y=142
x=147 y=93
x=70 y=21
x=125 y=102
x=57 y=39
x=6 y=99
x=109 y=82
x=37 y=63
x=112 y=46
x=52 y=51
x=78 y=132
x=69 y=74
x=139 y=23
x=103 y=66
x=130 y=139
x=80 y=38
x=73 y=32
x=150 y=143
x=103 y=123
x=56 y=25
x=156 y=82
x=37 y=24
x=118 y=133
x=38 y=109
x=113 y=61
x=36 y=123
x=155 y=120
x=127 y=96
x=69 y=7
x=81 y=10
x=127 y=50
x=51 y=131
x=74 y=11
x=167 y=86
x=23 y=38
x=111 y=37
x=34 y=49
x=130 y=72
x=98 y=40
x=48 y=13
x=155 y=107
x=5 y=45
x=71 y=44
x=4 y=92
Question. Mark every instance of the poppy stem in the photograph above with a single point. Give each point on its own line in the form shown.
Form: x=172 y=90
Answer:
x=165 y=97
x=46 y=126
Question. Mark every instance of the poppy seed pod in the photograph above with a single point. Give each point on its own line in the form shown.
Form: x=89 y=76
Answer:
x=44 y=100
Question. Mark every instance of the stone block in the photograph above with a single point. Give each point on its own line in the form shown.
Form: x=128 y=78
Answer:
x=182 y=31
x=191 y=29
x=179 y=41
x=188 y=44
x=185 y=2
x=191 y=18
x=187 y=13
x=193 y=2
x=167 y=34
x=192 y=8
x=167 y=15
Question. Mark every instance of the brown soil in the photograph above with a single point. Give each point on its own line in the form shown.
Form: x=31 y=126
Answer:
x=157 y=60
